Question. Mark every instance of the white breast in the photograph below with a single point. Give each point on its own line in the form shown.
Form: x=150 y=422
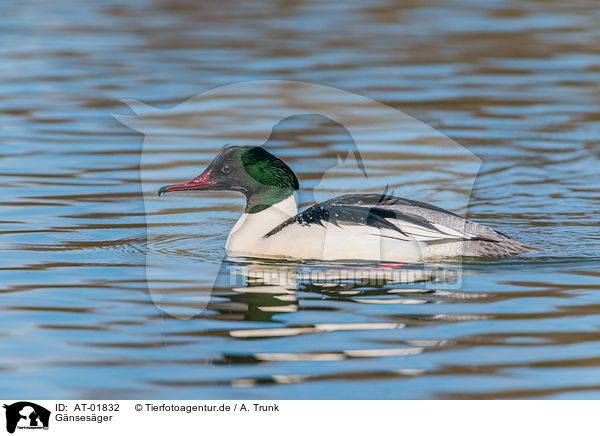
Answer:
x=246 y=236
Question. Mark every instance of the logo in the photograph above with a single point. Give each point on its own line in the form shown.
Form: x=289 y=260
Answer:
x=356 y=134
x=26 y=415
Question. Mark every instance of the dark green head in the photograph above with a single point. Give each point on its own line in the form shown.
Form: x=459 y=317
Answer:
x=263 y=178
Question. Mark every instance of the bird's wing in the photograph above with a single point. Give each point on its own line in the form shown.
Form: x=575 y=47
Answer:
x=406 y=219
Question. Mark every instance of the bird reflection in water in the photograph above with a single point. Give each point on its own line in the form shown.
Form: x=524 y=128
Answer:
x=261 y=297
x=265 y=289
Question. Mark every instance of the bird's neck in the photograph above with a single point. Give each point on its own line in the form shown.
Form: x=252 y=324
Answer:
x=251 y=227
x=266 y=197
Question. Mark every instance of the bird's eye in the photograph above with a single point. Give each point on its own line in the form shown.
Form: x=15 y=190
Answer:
x=226 y=169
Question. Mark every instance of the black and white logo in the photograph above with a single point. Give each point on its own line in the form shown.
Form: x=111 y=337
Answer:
x=26 y=415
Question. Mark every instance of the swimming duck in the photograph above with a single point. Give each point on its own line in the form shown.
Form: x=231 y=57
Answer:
x=375 y=227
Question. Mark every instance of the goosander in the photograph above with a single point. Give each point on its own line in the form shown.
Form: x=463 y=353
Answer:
x=374 y=227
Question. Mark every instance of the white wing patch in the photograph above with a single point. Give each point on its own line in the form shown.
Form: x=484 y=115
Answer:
x=420 y=233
